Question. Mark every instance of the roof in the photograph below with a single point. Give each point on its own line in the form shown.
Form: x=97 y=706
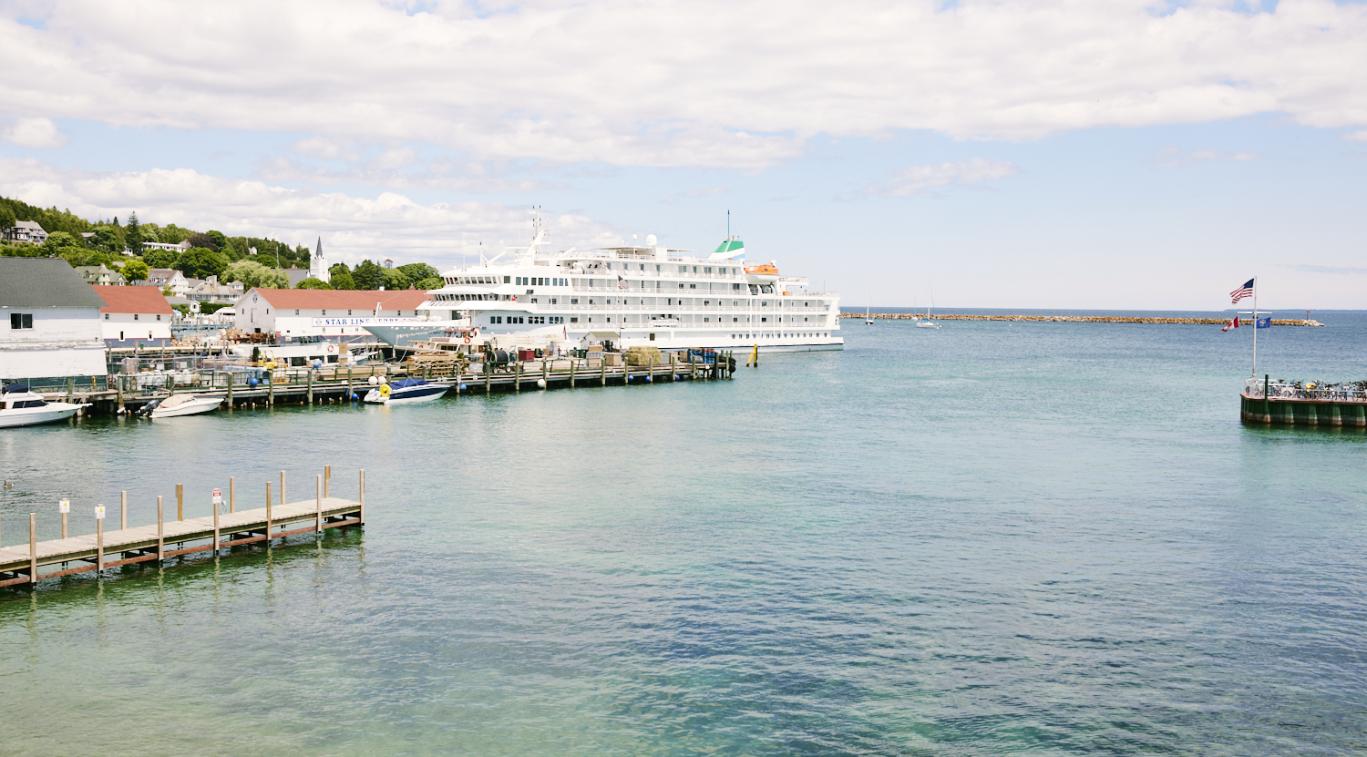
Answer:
x=43 y=283
x=343 y=299
x=295 y=275
x=162 y=273
x=31 y=225
x=132 y=300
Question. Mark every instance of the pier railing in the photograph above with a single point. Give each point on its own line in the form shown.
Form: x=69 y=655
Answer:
x=1296 y=390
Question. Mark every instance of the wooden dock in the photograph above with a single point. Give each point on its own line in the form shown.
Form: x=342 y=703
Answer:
x=223 y=528
x=1143 y=320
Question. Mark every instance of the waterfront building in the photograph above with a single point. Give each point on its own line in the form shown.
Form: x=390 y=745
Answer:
x=639 y=295
x=163 y=278
x=49 y=323
x=134 y=316
x=294 y=313
x=211 y=290
x=27 y=232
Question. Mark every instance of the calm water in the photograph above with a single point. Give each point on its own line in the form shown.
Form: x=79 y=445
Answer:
x=995 y=537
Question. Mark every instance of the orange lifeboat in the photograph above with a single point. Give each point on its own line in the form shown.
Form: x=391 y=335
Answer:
x=764 y=269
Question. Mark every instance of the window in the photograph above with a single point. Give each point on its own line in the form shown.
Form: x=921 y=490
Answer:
x=135 y=316
x=505 y=279
x=106 y=316
x=574 y=319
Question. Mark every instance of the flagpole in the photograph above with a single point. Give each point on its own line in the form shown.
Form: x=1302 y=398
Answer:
x=1254 y=374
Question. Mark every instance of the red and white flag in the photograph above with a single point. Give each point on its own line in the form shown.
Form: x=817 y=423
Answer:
x=1234 y=324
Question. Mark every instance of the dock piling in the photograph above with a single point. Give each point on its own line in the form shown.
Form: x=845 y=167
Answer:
x=123 y=510
x=232 y=494
x=99 y=539
x=161 y=532
x=33 y=548
x=268 y=513
x=327 y=479
x=318 y=505
x=180 y=501
x=360 y=493
x=64 y=507
x=282 y=487
x=214 y=507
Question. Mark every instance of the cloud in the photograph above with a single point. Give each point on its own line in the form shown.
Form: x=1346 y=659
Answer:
x=1334 y=270
x=34 y=132
x=914 y=180
x=1175 y=156
x=699 y=83
x=388 y=224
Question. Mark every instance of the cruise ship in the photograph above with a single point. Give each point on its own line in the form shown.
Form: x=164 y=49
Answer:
x=630 y=296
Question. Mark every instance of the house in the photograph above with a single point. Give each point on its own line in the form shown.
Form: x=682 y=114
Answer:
x=162 y=278
x=295 y=275
x=26 y=231
x=134 y=316
x=322 y=312
x=211 y=290
x=49 y=324
x=177 y=247
x=101 y=275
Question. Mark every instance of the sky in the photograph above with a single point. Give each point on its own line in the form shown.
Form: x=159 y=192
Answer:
x=1118 y=154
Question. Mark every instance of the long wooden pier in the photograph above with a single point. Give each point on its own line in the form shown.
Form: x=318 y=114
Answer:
x=225 y=527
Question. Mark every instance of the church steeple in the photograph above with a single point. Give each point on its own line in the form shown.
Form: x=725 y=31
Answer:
x=318 y=265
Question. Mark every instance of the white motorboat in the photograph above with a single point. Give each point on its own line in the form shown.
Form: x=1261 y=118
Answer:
x=406 y=392
x=30 y=409
x=181 y=404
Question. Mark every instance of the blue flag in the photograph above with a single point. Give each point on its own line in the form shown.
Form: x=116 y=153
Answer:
x=1264 y=323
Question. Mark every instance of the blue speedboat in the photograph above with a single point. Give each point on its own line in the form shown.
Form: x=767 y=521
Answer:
x=406 y=391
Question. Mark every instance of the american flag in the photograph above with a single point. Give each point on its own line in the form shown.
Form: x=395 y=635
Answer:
x=1244 y=291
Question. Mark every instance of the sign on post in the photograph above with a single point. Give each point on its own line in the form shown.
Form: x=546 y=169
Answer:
x=64 y=506
x=99 y=512
x=217 y=497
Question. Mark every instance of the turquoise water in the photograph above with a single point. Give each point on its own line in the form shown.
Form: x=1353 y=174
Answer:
x=994 y=537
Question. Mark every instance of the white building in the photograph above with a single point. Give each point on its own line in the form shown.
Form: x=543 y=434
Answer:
x=177 y=247
x=49 y=323
x=134 y=316
x=27 y=231
x=293 y=313
x=168 y=277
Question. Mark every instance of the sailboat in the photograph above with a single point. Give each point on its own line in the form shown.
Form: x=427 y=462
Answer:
x=868 y=320
x=926 y=321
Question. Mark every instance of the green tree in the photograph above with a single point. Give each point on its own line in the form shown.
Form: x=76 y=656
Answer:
x=133 y=234
x=339 y=276
x=428 y=284
x=173 y=234
x=394 y=279
x=108 y=238
x=253 y=274
x=79 y=256
x=160 y=258
x=58 y=241
x=368 y=275
x=213 y=240
x=7 y=219
x=135 y=269
x=312 y=283
x=199 y=262
x=418 y=271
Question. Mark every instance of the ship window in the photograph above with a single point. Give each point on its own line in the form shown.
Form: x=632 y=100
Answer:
x=505 y=279
x=106 y=316
x=764 y=320
x=574 y=319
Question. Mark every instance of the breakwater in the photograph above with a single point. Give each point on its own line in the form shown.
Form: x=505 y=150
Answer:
x=1052 y=318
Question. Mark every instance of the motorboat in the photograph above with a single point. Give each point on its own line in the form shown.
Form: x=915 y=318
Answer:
x=30 y=409
x=181 y=404
x=406 y=391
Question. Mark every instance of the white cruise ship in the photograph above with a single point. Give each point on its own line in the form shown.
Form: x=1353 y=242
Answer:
x=649 y=295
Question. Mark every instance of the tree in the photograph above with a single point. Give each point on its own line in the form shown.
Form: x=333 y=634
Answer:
x=394 y=279
x=312 y=283
x=368 y=275
x=7 y=219
x=58 y=241
x=430 y=283
x=79 y=256
x=135 y=269
x=340 y=276
x=418 y=271
x=108 y=238
x=160 y=258
x=133 y=234
x=199 y=262
x=253 y=274
x=213 y=240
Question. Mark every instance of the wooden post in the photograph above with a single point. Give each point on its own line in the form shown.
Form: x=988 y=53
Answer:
x=180 y=501
x=70 y=388
x=99 y=542
x=309 y=377
x=282 y=487
x=517 y=379
x=232 y=494
x=603 y=370
x=488 y=381
x=64 y=516
x=216 y=539
x=230 y=391
x=33 y=548
x=161 y=533
x=348 y=381
x=327 y=480
x=270 y=388
x=361 y=494
x=318 y=505
x=268 y=512
x=545 y=373
x=573 y=363
x=673 y=373
x=123 y=510
x=118 y=394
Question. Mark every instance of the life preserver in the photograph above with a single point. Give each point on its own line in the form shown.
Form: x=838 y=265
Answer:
x=513 y=298
x=384 y=390
x=332 y=349
x=473 y=332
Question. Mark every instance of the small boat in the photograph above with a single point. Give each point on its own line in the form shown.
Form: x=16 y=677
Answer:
x=867 y=320
x=181 y=404
x=926 y=322
x=30 y=409
x=406 y=391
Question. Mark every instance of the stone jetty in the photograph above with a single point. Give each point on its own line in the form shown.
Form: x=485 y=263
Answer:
x=1054 y=318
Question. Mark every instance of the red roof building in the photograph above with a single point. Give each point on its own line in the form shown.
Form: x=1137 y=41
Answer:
x=126 y=299
x=134 y=316
x=333 y=313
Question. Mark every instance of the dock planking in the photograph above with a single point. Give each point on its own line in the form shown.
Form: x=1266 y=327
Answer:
x=24 y=564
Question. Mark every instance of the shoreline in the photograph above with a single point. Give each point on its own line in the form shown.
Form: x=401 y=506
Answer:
x=1044 y=318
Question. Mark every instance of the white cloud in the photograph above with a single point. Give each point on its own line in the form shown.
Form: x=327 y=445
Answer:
x=34 y=132
x=389 y=224
x=914 y=180
x=705 y=82
x=1176 y=156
